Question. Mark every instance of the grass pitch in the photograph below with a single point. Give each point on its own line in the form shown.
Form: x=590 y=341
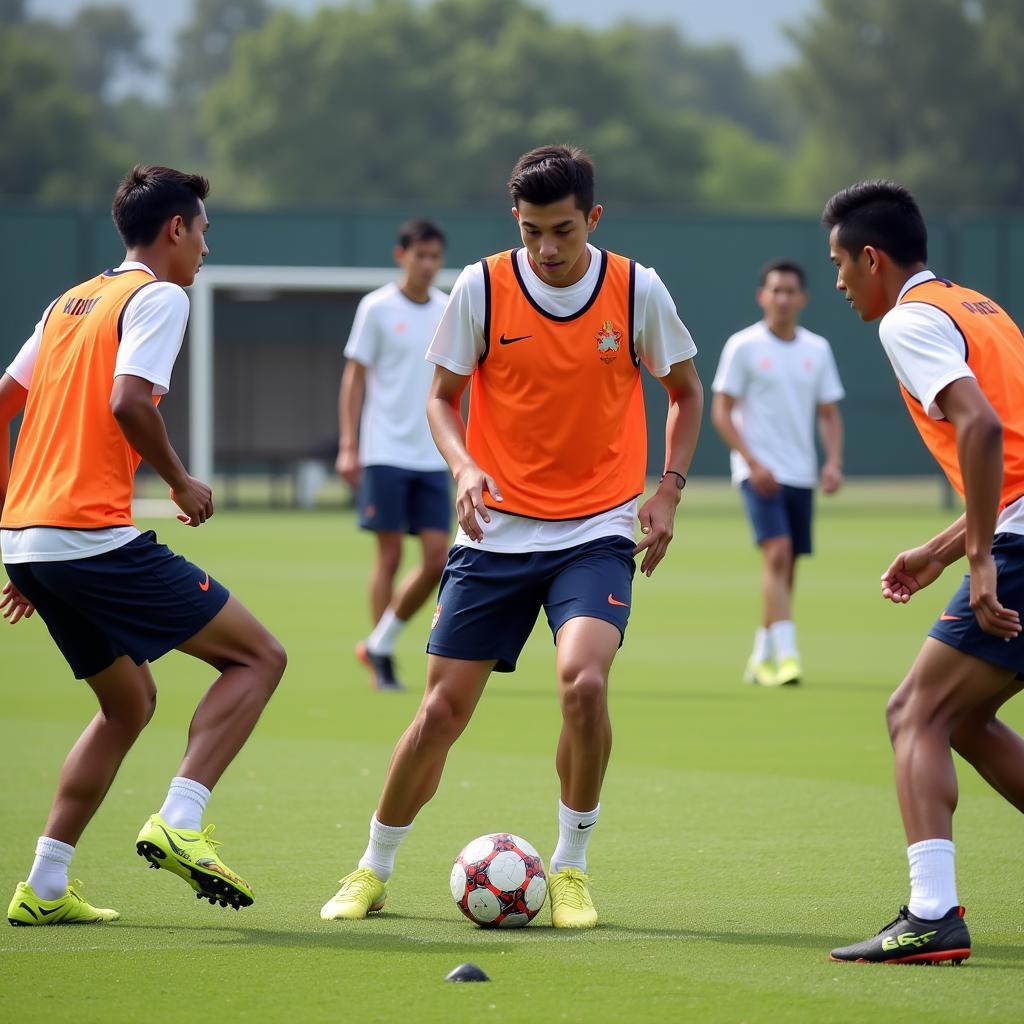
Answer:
x=743 y=832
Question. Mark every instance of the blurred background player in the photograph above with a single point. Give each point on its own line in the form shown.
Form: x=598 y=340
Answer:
x=89 y=380
x=552 y=335
x=773 y=378
x=959 y=361
x=385 y=449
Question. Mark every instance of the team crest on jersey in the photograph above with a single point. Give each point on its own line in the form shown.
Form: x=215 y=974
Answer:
x=608 y=341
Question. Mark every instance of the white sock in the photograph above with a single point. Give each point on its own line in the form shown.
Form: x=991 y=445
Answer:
x=574 y=828
x=186 y=801
x=49 y=874
x=762 y=645
x=385 y=633
x=932 y=878
x=384 y=843
x=783 y=637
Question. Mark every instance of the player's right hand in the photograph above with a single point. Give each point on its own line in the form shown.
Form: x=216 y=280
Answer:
x=763 y=482
x=910 y=572
x=15 y=605
x=195 y=499
x=348 y=468
x=470 y=484
x=990 y=614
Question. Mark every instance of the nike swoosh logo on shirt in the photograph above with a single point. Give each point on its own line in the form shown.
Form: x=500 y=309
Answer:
x=508 y=341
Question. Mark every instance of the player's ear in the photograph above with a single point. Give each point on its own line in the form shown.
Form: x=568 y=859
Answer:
x=397 y=253
x=873 y=257
x=176 y=227
x=515 y=213
x=594 y=216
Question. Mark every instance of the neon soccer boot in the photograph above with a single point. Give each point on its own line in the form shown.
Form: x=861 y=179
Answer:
x=760 y=673
x=28 y=909
x=789 y=672
x=912 y=940
x=361 y=893
x=382 y=669
x=571 y=905
x=193 y=856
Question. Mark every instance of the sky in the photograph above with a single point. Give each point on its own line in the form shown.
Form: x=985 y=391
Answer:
x=753 y=25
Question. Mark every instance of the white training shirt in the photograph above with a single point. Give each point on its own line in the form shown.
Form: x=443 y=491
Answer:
x=389 y=337
x=661 y=341
x=151 y=335
x=927 y=353
x=778 y=386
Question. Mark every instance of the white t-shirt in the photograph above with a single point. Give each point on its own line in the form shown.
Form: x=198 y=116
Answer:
x=661 y=341
x=389 y=337
x=927 y=353
x=778 y=386
x=151 y=335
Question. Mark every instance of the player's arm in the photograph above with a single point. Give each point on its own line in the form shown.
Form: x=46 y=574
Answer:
x=682 y=428
x=444 y=414
x=351 y=396
x=830 y=430
x=761 y=478
x=12 y=400
x=131 y=402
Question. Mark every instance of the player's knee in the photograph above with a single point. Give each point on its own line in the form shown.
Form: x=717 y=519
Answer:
x=132 y=716
x=584 y=694
x=274 y=658
x=778 y=557
x=441 y=718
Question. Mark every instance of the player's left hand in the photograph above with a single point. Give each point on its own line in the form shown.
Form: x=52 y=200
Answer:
x=991 y=615
x=831 y=478
x=657 y=517
x=16 y=606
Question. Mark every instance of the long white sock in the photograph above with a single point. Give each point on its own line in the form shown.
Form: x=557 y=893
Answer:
x=762 y=645
x=49 y=874
x=574 y=828
x=932 y=878
x=384 y=843
x=783 y=637
x=385 y=633
x=186 y=801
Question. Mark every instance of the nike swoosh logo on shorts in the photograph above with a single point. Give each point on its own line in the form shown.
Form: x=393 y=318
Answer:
x=508 y=341
x=205 y=584
x=948 y=618
x=618 y=604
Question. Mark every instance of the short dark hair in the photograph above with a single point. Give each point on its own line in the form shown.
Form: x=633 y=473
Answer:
x=784 y=267
x=419 y=230
x=149 y=196
x=550 y=173
x=882 y=214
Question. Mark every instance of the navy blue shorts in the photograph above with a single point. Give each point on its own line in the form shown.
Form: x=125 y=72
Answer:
x=140 y=599
x=788 y=513
x=957 y=625
x=393 y=500
x=488 y=602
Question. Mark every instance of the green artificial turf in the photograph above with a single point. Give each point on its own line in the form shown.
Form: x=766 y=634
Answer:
x=743 y=831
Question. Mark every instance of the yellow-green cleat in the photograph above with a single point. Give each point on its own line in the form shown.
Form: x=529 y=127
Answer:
x=788 y=672
x=361 y=893
x=761 y=673
x=28 y=909
x=193 y=856
x=571 y=905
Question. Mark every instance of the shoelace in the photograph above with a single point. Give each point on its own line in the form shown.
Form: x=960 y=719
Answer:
x=73 y=892
x=206 y=833
x=357 y=884
x=901 y=916
x=572 y=889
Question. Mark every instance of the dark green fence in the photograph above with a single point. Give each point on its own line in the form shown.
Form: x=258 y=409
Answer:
x=710 y=265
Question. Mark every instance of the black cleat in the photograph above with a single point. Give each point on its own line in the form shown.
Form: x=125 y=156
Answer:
x=912 y=940
x=382 y=669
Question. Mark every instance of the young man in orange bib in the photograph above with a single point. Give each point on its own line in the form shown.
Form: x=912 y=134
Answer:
x=959 y=362
x=114 y=599
x=548 y=474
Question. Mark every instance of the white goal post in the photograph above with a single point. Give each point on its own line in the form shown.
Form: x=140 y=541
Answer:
x=259 y=281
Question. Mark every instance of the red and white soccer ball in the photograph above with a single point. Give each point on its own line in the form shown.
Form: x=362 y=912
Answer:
x=498 y=881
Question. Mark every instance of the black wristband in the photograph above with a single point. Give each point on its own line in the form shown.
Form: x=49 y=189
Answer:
x=674 y=473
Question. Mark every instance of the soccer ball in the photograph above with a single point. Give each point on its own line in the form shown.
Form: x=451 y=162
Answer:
x=498 y=881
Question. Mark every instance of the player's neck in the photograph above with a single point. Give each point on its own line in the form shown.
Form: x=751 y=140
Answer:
x=150 y=258
x=413 y=292
x=784 y=330
x=898 y=278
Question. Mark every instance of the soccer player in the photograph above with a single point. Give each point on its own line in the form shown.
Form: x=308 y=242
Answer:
x=959 y=361
x=385 y=448
x=548 y=475
x=114 y=599
x=773 y=377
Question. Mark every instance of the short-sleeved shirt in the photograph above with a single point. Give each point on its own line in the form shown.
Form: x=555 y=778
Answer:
x=389 y=337
x=153 y=329
x=661 y=340
x=926 y=350
x=778 y=386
